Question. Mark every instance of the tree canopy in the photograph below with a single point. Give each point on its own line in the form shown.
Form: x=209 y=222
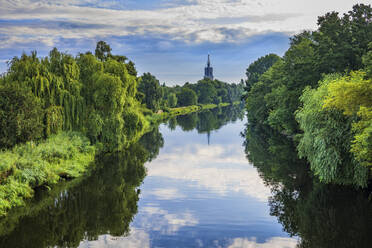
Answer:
x=320 y=93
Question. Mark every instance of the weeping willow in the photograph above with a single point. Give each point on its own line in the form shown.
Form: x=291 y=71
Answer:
x=82 y=94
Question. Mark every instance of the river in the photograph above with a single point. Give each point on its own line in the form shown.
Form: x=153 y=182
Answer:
x=188 y=183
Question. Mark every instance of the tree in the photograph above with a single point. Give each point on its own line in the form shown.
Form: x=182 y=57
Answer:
x=21 y=116
x=172 y=100
x=103 y=50
x=340 y=42
x=257 y=68
x=256 y=100
x=186 y=97
x=327 y=138
x=152 y=90
x=206 y=91
x=367 y=61
x=131 y=68
x=295 y=73
x=353 y=95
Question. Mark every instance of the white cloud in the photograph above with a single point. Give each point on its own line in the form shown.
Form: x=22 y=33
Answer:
x=204 y=20
x=275 y=242
x=167 y=193
x=222 y=169
x=137 y=239
x=153 y=218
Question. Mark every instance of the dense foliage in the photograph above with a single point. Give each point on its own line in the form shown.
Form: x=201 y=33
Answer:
x=205 y=91
x=151 y=90
x=20 y=116
x=321 y=215
x=259 y=67
x=91 y=94
x=186 y=97
x=331 y=119
x=328 y=134
x=28 y=166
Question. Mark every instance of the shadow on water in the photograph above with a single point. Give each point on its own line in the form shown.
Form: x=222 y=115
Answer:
x=321 y=215
x=105 y=202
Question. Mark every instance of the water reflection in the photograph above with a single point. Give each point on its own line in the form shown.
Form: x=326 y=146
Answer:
x=322 y=215
x=201 y=192
x=103 y=203
x=208 y=120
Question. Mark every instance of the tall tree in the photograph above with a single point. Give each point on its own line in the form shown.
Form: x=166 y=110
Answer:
x=103 y=50
x=21 y=115
x=186 y=97
x=152 y=90
x=257 y=68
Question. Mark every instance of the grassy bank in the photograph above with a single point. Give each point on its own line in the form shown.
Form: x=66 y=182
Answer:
x=27 y=166
x=172 y=112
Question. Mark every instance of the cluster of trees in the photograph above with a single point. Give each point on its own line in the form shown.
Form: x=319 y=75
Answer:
x=320 y=92
x=93 y=94
x=206 y=91
x=322 y=215
x=156 y=96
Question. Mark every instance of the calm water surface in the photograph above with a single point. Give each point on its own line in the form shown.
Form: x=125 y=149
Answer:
x=188 y=183
x=200 y=191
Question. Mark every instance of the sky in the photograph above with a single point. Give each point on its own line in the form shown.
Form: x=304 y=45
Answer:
x=168 y=38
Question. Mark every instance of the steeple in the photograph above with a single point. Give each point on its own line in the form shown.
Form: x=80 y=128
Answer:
x=208 y=71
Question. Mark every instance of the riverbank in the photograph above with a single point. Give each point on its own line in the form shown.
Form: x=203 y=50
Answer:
x=156 y=118
x=63 y=156
x=30 y=165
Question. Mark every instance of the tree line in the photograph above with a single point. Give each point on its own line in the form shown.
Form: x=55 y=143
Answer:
x=158 y=96
x=99 y=95
x=320 y=93
x=92 y=94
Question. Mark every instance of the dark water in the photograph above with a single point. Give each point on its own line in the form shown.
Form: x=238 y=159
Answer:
x=188 y=183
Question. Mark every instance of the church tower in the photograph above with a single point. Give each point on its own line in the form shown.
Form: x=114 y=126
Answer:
x=208 y=71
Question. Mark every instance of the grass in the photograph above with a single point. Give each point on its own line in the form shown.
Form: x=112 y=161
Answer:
x=27 y=166
x=171 y=112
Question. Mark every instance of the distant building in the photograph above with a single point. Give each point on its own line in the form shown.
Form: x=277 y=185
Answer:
x=208 y=71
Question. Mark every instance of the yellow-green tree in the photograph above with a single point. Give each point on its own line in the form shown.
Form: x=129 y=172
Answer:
x=336 y=122
x=353 y=95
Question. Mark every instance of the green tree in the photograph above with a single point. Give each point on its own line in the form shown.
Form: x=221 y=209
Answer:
x=367 y=61
x=256 y=100
x=21 y=116
x=152 y=90
x=131 y=68
x=295 y=73
x=327 y=138
x=206 y=91
x=340 y=42
x=172 y=100
x=257 y=68
x=186 y=97
x=103 y=50
x=353 y=95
